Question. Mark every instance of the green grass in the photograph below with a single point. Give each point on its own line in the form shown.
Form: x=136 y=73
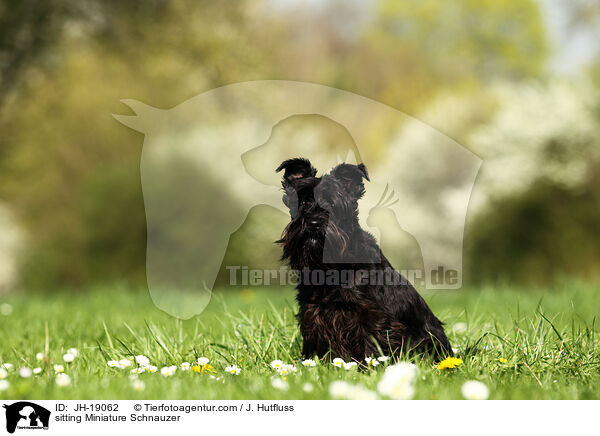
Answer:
x=548 y=337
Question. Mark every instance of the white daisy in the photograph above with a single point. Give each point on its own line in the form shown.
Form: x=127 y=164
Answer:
x=475 y=390
x=397 y=381
x=113 y=363
x=7 y=366
x=168 y=371
x=25 y=372
x=360 y=393
x=383 y=358
x=276 y=364
x=371 y=362
x=3 y=373
x=397 y=391
x=233 y=369
x=73 y=351
x=139 y=370
x=287 y=369
x=39 y=356
x=152 y=369
x=339 y=389
x=338 y=362
x=69 y=357
x=309 y=362
x=59 y=368
x=349 y=365
x=279 y=384
x=138 y=385
x=203 y=361
x=185 y=366
x=37 y=371
x=4 y=385
x=124 y=363
x=142 y=360
x=63 y=380
x=407 y=370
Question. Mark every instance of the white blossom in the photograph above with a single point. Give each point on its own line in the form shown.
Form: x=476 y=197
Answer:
x=63 y=379
x=475 y=390
x=25 y=372
x=138 y=385
x=279 y=384
x=397 y=381
x=168 y=371
x=276 y=364
x=233 y=369
x=142 y=360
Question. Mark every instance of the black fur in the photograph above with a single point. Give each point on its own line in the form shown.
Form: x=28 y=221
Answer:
x=349 y=319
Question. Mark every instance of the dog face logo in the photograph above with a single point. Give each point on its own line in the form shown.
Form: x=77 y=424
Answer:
x=26 y=415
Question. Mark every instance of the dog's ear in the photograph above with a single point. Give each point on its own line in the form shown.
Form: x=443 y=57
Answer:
x=355 y=173
x=295 y=169
x=352 y=177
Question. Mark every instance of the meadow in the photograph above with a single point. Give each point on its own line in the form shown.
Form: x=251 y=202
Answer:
x=521 y=343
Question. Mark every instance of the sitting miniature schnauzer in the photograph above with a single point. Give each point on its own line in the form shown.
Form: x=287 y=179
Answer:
x=351 y=300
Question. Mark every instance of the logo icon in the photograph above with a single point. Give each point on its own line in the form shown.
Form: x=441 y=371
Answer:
x=26 y=415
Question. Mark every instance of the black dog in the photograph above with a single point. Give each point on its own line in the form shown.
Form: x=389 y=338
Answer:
x=351 y=299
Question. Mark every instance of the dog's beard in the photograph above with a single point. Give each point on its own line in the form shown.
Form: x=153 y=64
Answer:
x=309 y=249
x=335 y=243
x=314 y=241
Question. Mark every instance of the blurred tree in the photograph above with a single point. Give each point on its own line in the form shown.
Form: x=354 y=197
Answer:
x=27 y=28
x=535 y=202
x=72 y=172
x=422 y=46
x=537 y=236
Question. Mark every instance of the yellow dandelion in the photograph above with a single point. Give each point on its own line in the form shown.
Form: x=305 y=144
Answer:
x=207 y=368
x=501 y=360
x=449 y=363
x=203 y=369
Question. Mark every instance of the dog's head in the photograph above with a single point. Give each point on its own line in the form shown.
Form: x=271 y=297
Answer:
x=321 y=209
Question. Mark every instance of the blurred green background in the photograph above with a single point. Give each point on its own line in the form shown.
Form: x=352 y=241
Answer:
x=515 y=82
